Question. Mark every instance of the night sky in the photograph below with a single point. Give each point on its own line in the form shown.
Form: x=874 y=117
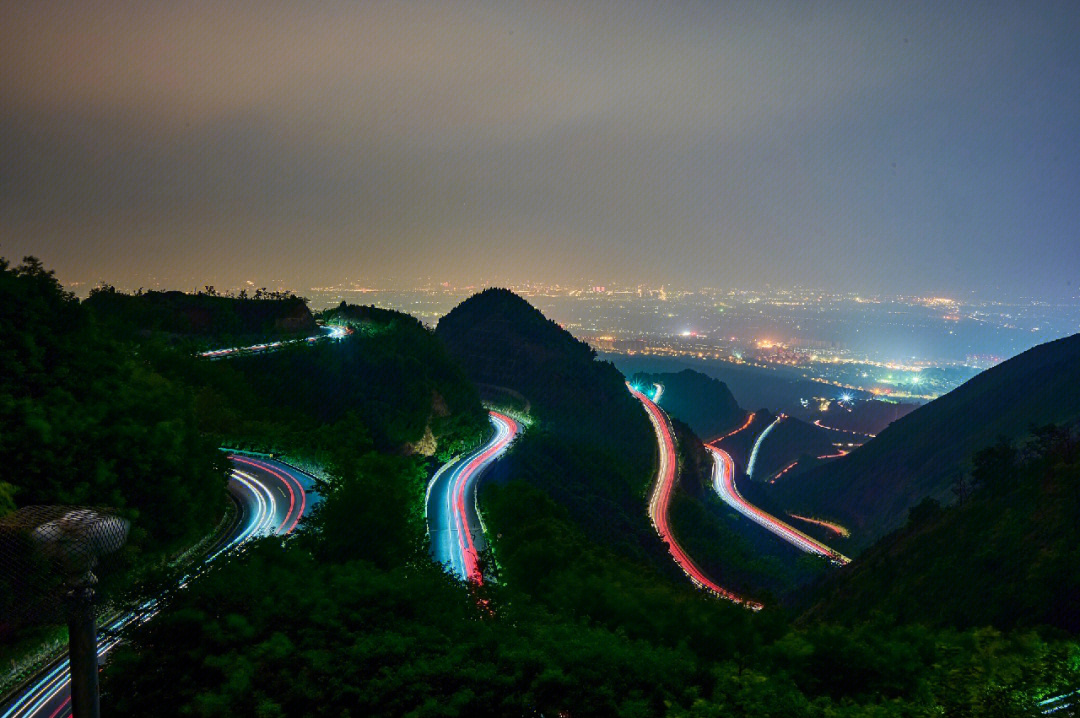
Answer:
x=867 y=146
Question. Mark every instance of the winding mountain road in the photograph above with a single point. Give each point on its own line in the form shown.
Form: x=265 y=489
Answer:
x=328 y=332
x=724 y=483
x=660 y=499
x=752 y=463
x=270 y=499
x=454 y=522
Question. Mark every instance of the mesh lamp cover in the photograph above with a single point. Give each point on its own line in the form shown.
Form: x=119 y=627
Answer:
x=77 y=538
x=45 y=548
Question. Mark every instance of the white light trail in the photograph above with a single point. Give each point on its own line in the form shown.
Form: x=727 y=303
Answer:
x=757 y=445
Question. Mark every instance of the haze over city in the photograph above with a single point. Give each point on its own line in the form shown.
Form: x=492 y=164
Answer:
x=916 y=148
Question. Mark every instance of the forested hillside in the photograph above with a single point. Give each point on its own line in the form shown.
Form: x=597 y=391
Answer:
x=1008 y=555
x=501 y=339
x=86 y=420
x=329 y=625
x=591 y=448
x=96 y=412
x=205 y=315
x=588 y=616
x=389 y=382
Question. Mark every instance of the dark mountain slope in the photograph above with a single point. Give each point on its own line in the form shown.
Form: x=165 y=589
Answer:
x=925 y=452
x=502 y=340
x=706 y=404
x=591 y=447
x=778 y=387
x=732 y=550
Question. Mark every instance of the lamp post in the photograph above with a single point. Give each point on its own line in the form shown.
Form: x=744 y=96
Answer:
x=71 y=540
x=82 y=653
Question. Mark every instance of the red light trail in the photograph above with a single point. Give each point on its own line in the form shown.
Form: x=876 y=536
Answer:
x=464 y=479
x=284 y=478
x=786 y=469
x=661 y=498
x=724 y=483
x=749 y=421
x=835 y=528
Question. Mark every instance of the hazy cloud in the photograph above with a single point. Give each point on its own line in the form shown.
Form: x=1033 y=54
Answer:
x=867 y=146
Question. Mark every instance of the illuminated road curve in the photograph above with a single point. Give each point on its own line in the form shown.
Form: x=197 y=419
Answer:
x=746 y=425
x=752 y=463
x=661 y=498
x=829 y=525
x=817 y=423
x=270 y=498
x=724 y=483
x=329 y=332
x=454 y=522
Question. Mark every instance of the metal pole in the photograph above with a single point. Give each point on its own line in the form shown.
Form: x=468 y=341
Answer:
x=82 y=652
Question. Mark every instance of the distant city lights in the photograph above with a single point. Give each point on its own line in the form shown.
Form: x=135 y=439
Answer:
x=790 y=330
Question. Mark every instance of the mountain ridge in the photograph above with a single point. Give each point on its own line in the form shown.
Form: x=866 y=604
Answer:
x=925 y=452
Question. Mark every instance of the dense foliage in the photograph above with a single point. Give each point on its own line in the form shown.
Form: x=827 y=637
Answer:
x=85 y=420
x=95 y=410
x=332 y=624
x=349 y=639
x=205 y=314
x=1008 y=555
x=390 y=382
x=588 y=617
x=375 y=512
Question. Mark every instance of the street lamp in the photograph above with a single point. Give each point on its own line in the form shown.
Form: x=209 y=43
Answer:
x=71 y=540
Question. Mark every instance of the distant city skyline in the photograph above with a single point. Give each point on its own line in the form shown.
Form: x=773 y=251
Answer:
x=911 y=149
x=849 y=340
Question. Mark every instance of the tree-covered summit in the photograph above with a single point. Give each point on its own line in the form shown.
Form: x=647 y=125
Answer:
x=502 y=340
x=206 y=314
